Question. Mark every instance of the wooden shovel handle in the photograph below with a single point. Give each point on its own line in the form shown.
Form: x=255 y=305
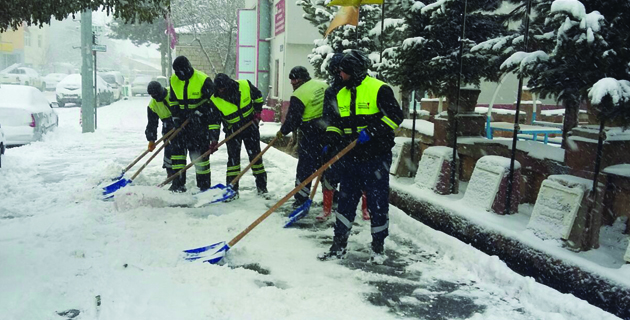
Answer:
x=168 y=141
x=205 y=154
x=235 y=181
x=292 y=193
x=314 y=190
x=147 y=151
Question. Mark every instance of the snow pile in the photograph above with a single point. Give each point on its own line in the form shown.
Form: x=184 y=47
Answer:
x=557 y=206
x=430 y=166
x=486 y=179
x=132 y=197
x=619 y=170
x=423 y=126
x=627 y=255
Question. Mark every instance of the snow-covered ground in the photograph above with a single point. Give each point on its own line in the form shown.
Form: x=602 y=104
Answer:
x=62 y=248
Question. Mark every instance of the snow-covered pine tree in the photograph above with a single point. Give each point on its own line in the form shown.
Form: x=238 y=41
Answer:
x=429 y=58
x=564 y=34
x=342 y=38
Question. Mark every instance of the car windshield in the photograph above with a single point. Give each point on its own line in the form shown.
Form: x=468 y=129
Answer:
x=142 y=79
x=110 y=78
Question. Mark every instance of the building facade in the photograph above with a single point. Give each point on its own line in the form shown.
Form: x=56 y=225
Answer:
x=273 y=37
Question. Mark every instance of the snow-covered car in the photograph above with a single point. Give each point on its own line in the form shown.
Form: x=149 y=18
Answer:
x=69 y=91
x=2 y=144
x=116 y=81
x=22 y=76
x=162 y=80
x=25 y=114
x=52 y=79
x=140 y=84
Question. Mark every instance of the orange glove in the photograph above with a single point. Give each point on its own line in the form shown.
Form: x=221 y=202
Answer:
x=214 y=146
x=151 y=146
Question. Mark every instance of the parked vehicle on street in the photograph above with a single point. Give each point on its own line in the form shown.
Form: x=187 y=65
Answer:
x=2 y=144
x=25 y=114
x=69 y=91
x=162 y=80
x=52 y=79
x=116 y=81
x=140 y=84
x=22 y=76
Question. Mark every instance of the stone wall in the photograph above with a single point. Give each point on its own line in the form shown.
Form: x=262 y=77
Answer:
x=198 y=60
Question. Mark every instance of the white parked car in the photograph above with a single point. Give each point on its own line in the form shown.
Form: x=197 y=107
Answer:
x=25 y=114
x=140 y=84
x=116 y=81
x=2 y=144
x=23 y=76
x=69 y=91
x=52 y=79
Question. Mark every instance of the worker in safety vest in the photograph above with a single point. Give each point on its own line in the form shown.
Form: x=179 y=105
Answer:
x=330 y=180
x=369 y=113
x=192 y=90
x=236 y=103
x=160 y=109
x=305 y=118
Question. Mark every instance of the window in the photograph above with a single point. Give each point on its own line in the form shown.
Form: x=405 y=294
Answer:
x=27 y=38
x=277 y=76
x=39 y=41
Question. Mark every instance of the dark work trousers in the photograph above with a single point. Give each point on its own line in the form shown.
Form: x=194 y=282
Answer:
x=371 y=176
x=192 y=140
x=309 y=159
x=250 y=137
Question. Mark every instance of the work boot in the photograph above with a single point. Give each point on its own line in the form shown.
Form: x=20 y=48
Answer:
x=364 y=207
x=262 y=191
x=336 y=251
x=377 y=254
x=328 y=203
x=177 y=189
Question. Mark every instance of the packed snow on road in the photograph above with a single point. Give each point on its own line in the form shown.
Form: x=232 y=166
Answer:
x=64 y=252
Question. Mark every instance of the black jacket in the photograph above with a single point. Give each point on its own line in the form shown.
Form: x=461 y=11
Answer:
x=233 y=95
x=382 y=135
x=153 y=119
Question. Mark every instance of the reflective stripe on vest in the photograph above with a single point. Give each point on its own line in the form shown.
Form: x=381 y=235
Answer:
x=311 y=93
x=230 y=110
x=193 y=91
x=365 y=102
x=162 y=109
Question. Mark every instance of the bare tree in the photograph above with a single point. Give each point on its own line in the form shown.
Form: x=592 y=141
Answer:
x=212 y=25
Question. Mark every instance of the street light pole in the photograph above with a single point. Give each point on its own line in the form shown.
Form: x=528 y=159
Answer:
x=87 y=95
x=95 y=84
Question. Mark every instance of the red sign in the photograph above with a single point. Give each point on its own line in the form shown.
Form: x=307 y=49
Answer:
x=280 y=13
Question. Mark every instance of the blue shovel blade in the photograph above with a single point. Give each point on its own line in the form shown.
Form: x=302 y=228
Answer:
x=116 y=186
x=299 y=213
x=212 y=253
x=119 y=177
x=228 y=195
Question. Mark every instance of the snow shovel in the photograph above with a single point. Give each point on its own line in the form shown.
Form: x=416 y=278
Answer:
x=215 y=252
x=229 y=192
x=205 y=154
x=142 y=155
x=302 y=210
x=108 y=190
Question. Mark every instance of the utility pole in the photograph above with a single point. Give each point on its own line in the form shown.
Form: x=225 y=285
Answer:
x=95 y=84
x=87 y=95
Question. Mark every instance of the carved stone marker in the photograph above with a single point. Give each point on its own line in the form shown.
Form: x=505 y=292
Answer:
x=488 y=185
x=560 y=209
x=434 y=170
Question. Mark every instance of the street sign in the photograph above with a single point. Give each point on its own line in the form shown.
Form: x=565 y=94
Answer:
x=99 y=47
x=97 y=29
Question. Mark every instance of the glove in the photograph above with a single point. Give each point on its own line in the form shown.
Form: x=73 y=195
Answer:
x=363 y=137
x=214 y=146
x=151 y=146
x=279 y=135
x=257 y=117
